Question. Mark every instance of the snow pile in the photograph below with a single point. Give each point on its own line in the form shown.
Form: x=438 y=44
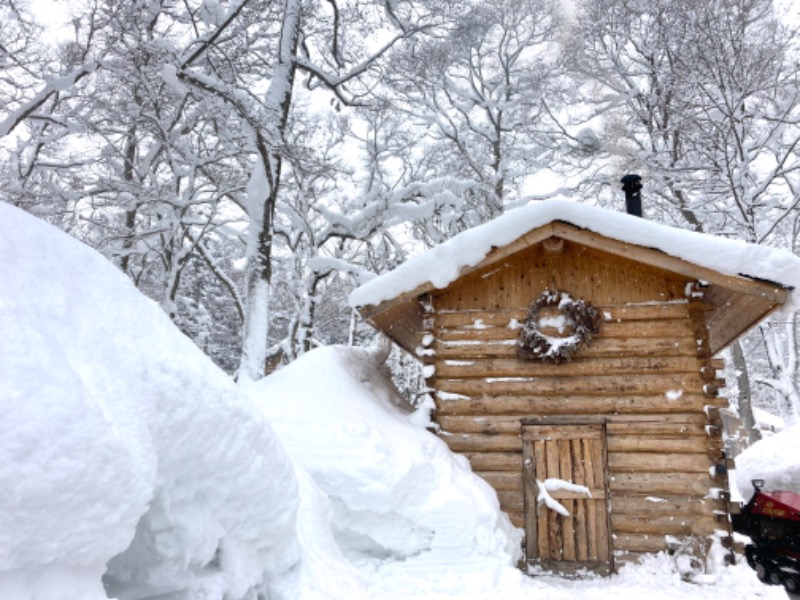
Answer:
x=403 y=505
x=767 y=422
x=120 y=441
x=442 y=265
x=775 y=459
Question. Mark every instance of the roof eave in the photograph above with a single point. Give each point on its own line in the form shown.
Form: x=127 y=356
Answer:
x=762 y=297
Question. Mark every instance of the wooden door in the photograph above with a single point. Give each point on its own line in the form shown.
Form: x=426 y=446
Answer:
x=576 y=453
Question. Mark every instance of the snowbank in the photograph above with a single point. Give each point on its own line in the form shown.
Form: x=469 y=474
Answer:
x=442 y=265
x=767 y=422
x=403 y=505
x=775 y=459
x=120 y=441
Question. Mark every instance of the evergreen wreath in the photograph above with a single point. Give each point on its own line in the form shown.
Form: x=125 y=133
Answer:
x=582 y=317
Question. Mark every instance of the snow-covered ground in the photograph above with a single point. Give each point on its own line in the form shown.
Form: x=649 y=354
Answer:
x=131 y=467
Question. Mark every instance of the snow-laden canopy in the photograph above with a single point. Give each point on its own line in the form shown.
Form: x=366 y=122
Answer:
x=443 y=264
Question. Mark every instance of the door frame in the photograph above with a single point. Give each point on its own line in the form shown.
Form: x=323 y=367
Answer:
x=530 y=492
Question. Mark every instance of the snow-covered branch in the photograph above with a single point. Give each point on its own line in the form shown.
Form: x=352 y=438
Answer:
x=53 y=86
x=335 y=81
x=558 y=485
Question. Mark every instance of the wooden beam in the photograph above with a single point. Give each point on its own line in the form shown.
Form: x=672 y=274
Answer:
x=513 y=501
x=599 y=347
x=495 y=461
x=479 y=442
x=612 y=329
x=656 y=426
x=638 y=542
x=664 y=504
x=512 y=367
x=511 y=482
x=616 y=312
x=568 y=404
x=587 y=386
x=688 y=484
x=680 y=525
x=512 y=423
x=488 y=425
x=517 y=518
x=654 y=462
x=662 y=443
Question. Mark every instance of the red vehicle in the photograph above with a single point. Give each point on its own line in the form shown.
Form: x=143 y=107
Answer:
x=772 y=521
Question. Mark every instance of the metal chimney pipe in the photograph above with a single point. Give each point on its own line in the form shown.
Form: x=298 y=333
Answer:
x=632 y=186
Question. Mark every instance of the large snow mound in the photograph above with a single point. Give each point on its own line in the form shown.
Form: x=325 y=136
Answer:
x=120 y=441
x=775 y=459
x=401 y=500
x=442 y=265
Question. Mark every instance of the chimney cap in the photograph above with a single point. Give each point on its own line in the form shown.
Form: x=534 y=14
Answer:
x=632 y=186
x=632 y=181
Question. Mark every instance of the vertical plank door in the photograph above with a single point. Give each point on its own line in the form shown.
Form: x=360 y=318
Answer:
x=575 y=453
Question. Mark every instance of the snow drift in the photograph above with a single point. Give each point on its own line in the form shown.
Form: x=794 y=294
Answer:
x=120 y=441
x=130 y=465
x=401 y=500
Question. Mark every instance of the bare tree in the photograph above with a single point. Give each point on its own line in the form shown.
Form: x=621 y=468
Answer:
x=474 y=96
x=130 y=162
x=323 y=45
x=704 y=99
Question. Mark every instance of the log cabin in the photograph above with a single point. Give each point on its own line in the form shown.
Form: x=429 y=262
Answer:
x=628 y=408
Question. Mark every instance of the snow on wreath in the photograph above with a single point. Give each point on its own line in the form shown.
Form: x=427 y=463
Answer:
x=556 y=310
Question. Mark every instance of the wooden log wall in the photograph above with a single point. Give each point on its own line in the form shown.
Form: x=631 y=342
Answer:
x=649 y=372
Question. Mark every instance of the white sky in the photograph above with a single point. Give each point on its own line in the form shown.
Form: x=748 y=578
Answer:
x=54 y=14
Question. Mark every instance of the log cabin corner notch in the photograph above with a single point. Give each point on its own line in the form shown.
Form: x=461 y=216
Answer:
x=632 y=417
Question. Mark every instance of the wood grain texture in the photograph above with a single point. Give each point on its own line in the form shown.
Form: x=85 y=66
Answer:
x=660 y=483
x=571 y=404
x=580 y=367
x=587 y=386
x=574 y=454
x=649 y=462
x=648 y=373
x=664 y=504
x=600 y=347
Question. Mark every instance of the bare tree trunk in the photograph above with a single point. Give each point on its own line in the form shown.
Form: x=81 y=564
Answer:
x=128 y=172
x=305 y=334
x=263 y=194
x=745 y=396
x=783 y=361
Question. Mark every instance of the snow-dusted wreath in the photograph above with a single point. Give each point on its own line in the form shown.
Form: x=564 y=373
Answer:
x=580 y=316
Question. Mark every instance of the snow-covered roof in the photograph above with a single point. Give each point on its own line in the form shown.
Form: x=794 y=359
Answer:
x=443 y=264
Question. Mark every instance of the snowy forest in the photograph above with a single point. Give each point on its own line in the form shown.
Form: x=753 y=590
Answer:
x=247 y=163
x=239 y=171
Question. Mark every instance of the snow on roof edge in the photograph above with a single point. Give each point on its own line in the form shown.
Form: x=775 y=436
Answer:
x=442 y=265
